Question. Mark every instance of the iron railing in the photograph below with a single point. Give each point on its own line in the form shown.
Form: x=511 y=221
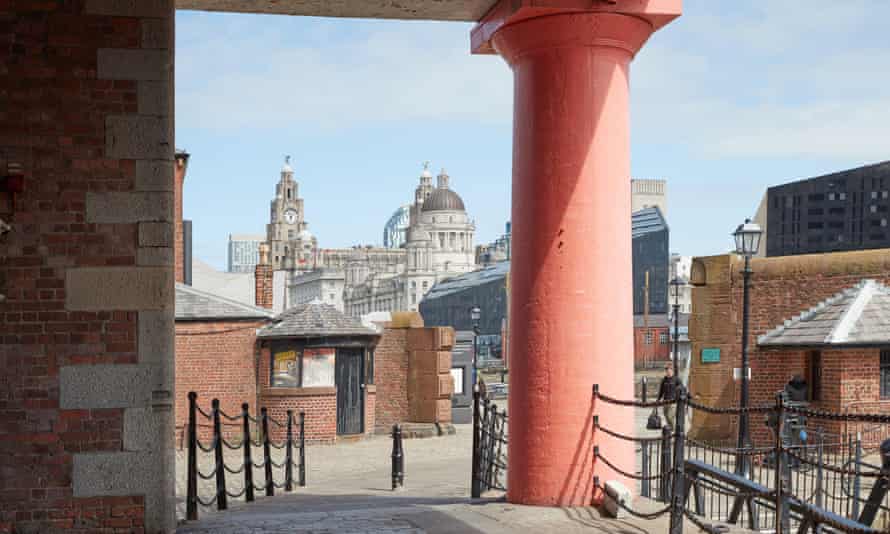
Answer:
x=813 y=483
x=249 y=426
x=489 y=471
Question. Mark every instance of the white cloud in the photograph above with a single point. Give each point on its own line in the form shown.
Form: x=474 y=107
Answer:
x=760 y=79
x=420 y=72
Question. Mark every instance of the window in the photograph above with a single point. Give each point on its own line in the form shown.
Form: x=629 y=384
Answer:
x=307 y=368
x=647 y=339
x=369 y=366
x=290 y=234
x=425 y=285
x=330 y=296
x=663 y=338
x=885 y=374
x=413 y=298
x=457 y=374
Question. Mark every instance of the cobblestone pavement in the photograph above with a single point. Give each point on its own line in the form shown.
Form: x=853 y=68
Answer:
x=348 y=491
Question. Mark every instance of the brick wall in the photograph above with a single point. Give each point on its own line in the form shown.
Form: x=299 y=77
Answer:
x=86 y=327
x=319 y=405
x=654 y=352
x=781 y=288
x=215 y=360
x=391 y=378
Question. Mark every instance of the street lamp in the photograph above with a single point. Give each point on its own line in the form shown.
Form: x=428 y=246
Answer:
x=475 y=315
x=676 y=284
x=747 y=242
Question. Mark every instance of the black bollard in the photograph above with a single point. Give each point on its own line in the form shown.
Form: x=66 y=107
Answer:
x=398 y=458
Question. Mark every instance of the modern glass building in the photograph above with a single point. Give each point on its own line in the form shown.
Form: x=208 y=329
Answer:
x=243 y=253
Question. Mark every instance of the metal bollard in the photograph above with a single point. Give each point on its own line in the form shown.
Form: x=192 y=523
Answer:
x=666 y=461
x=398 y=458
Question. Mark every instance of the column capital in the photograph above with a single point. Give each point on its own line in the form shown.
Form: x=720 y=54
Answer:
x=656 y=13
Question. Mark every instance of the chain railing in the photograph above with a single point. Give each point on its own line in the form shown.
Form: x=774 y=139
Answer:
x=793 y=485
x=489 y=470
x=249 y=427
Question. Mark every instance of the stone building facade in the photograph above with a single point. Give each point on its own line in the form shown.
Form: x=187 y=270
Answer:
x=325 y=285
x=439 y=244
x=781 y=289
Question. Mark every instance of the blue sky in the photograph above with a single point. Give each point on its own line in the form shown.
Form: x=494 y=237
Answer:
x=729 y=99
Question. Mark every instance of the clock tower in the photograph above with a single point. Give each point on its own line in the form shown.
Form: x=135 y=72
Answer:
x=291 y=245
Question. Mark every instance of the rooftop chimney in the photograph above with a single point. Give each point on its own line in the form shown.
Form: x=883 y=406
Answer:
x=181 y=161
x=263 y=279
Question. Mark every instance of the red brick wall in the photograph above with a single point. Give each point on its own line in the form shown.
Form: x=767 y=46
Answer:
x=656 y=351
x=391 y=378
x=781 y=288
x=215 y=360
x=52 y=122
x=319 y=405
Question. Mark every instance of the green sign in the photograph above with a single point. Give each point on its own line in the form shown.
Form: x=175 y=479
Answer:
x=710 y=355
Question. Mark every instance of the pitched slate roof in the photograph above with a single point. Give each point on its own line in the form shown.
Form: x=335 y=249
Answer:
x=196 y=305
x=314 y=319
x=458 y=283
x=857 y=316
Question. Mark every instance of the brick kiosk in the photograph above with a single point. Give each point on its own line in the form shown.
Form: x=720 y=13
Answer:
x=316 y=360
x=781 y=289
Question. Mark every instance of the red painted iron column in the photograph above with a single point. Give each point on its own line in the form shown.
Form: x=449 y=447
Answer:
x=570 y=302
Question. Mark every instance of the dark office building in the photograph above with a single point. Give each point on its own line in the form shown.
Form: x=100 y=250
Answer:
x=847 y=210
x=650 y=255
x=448 y=303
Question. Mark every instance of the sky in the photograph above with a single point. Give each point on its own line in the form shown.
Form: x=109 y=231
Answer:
x=727 y=100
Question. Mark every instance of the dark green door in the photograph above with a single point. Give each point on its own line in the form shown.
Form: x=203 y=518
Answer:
x=350 y=398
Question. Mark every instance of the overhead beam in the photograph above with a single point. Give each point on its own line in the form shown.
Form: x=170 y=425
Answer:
x=447 y=10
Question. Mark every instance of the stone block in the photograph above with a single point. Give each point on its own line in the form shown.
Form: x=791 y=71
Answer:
x=616 y=493
x=443 y=338
x=130 y=8
x=443 y=362
x=154 y=234
x=138 y=137
x=426 y=361
x=133 y=64
x=156 y=33
x=125 y=207
x=145 y=428
x=83 y=387
x=154 y=256
x=154 y=175
x=156 y=340
x=118 y=288
x=154 y=98
x=446 y=386
x=431 y=411
x=406 y=320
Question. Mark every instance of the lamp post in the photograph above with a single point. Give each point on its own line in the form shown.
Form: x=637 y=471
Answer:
x=747 y=241
x=676 y=283
x=475 y=315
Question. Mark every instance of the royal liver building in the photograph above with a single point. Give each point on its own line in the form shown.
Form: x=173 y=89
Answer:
x=438 y=243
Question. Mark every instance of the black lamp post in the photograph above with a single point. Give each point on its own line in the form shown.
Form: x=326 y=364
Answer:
x=475 y=315
x=747 y=242
x=676 y=284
